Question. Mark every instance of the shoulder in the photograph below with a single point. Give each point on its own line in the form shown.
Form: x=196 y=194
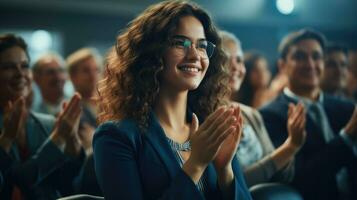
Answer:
x=331 y=101
x=245 y=109
x=43 y=117
x=124 y=130
x=46 y=120
x=116 y=138
x=338 y=107
x=39 y=107
x=249 y=112
x=277 y=106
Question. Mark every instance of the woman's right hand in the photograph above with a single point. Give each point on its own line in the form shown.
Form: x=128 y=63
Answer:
x=296 y=125
x=207 y=139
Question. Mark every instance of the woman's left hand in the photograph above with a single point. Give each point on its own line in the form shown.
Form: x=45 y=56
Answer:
x=228 y=149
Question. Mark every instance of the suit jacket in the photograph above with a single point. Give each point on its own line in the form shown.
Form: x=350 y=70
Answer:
x=1 y=181
x=88 y=116
x=86 y=182
x=263 y=170
x=131 y=164
x=44 y=108
x=318 y=162
x=37 y=177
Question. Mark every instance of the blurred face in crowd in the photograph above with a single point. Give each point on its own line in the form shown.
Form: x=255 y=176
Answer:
x=260 y=74
x=335 y=72
x=304 y=65
x=51 y=77
x=236 y=64
x=15 y=74
x=85 y=76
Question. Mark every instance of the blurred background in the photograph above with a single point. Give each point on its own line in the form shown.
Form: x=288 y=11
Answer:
x=66 y=25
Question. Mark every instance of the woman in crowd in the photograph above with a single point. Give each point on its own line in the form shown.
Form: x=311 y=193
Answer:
x=260 y=160
x=165 y=73
x=256 y=90
x=37 y=155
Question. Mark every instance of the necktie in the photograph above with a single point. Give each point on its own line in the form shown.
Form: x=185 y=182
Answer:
x=318 y=115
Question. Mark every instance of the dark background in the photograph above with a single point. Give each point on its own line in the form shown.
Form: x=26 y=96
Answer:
x=258 y=23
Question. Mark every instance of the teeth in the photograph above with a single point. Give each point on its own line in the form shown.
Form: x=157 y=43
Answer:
x=189 y=69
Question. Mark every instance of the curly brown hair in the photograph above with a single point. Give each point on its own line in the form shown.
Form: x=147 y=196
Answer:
x=131 y=81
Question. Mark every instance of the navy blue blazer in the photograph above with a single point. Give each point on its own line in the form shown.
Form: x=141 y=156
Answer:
x=133 y=165
x=318 y=162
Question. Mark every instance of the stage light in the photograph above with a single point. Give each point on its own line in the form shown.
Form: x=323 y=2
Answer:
x=285 y=7
x=41 y=40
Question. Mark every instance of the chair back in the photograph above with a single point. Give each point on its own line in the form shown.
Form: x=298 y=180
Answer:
x=274 y=191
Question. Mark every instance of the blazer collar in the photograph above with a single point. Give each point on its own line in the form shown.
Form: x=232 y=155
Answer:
x=287 y=92
x=157 y=138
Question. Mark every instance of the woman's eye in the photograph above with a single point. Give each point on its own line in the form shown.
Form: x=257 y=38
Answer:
x=202 y=45
x=178 y=43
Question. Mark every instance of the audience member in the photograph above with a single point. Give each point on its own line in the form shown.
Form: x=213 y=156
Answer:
x=260 y=160
x=84 y=67
x=166 y=65
x=255 y=90
x=49 y=75
x=329 y=153
x=37 y=154
x=334 y=76
x=351 y=89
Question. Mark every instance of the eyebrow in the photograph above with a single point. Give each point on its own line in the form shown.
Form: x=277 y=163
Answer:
x=185 y=37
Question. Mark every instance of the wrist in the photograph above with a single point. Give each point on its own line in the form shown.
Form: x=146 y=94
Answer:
x=88 y=151
x=73 y=147
x=349 y=132
x=194 y=170
x=225 y=179
x=291 y=146
x=57 y=139
x=225 y=175
x=225 y=170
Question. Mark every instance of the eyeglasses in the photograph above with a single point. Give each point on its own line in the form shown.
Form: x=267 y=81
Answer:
x=204 y=48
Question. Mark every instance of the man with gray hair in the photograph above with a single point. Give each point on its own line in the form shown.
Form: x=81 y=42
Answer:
x=50 y=76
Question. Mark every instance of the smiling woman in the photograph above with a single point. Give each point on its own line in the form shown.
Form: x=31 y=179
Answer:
x=15 y=76
x=30 y=154
x=166 y=65
x=185 y=64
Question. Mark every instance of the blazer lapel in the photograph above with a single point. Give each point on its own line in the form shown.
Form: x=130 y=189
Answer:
x=156 y=137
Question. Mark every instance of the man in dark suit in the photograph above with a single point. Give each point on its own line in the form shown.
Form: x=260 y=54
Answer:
x=326 y=164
